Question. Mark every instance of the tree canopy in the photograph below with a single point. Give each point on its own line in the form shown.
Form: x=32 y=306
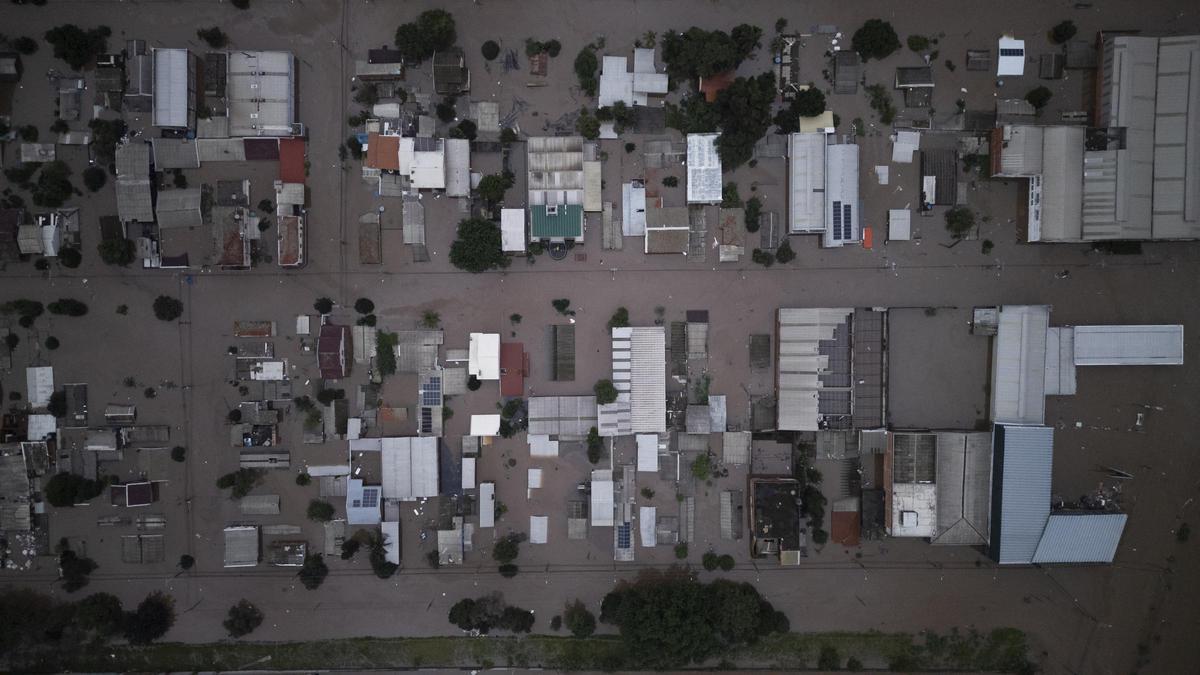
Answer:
x=117 y=251
x=579 y=620
x=490 y=611
x=744 y=110
x=807 y=103
x=669 y=619
x=167 y=308
x=586 y=65
x=477 y=248
x=876 y=39
x=68 y=489
x=433 y=31
x=314 y=571
x=700 y=53
x=76 y=46
x=493 y=186
x=243 y=618
x=605 y=391
x=53 y=187
x=153 y=618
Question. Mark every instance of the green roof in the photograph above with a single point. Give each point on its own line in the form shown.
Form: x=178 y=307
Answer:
x=567 y=223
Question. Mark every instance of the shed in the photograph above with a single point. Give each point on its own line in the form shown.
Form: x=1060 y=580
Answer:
x=241 y=546
x=333 y=350
x=979 y=59
x=847 y=71
x=538 y=529
x=899 y=224
x=514 y=366
x=175 y=153
x=512 y=230
x=1080 y=538
x=806 y=182
x=703 y=169
x=409 y=468
x=468 y=473
x=540 y=445
x=912 y=78
x=458 y=167
x=1129 y=345
x=602 y=498
x=485 y=425
x=487 y=504
x=1018 y=387
x=1012 y=57
x=484 y=356
x=647 y=452
x=647 y=521
x=667 y=229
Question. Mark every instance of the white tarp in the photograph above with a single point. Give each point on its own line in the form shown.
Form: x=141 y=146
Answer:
x=602 y=498
x=485 y=425
x=647 y=517
x=39 y=381
x=539 y=527
x=540 y=445
x=468 y=473
x=487 y=505
x=647 y=452
x=483 y=360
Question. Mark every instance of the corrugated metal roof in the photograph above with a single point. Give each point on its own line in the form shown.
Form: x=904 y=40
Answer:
x=1019 y=365
x=704 y=169
x=175 y=153
x=964 y=488
x=1022 y=457
x=261 y=93
x=1062 y=183
x=458 y=167
x=133 y=182
x=565 y=222
x=1176 y=204
x=1128 y=345
x=487 y=505
x=1060 y=362
x=602 y=512
x=806 y=182
x=801 y=363
x=1021 y=151
x=1080 y=538
x=259 y=505
x=409 y=468
x=841 y=193
x=241 y=546
x=648 y=378
x=173 y=94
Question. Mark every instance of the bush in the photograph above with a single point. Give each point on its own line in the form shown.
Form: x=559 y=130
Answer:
x=702 y=467
x=323 y=305
x=117 y=252
x=960 y=220
x=186 y=562
x=820 y=536
x=367 y=94
x=876 y=39
x=52 y=343
x=76 y=46
x=350 y=548
x=553 y=48
x=94 y=178
x=68 y=489
x=605 y=392
x=1038 y=97
x=67 y=307
x=507 y=136
x=355 y=148
x=620 y=319
x=1063 y=31
x=829 y=658
x=214 y=37
x=725 y=562
x=753 y=214
x=303 y=479
x=710 y=561
x=730 y=199
x=53 y=187
x=465 y=129
x=167 y=308
x=918 y=43
x=385 y=352
x=153 y=618
x=241 y=481
x=587 y=125
x=314 y=571
x=445 y=110
x=70 y=257
x=506 y=549
x=630 y=147
x=681 y=550
x=508 y=570
x=74 y=570
x=490 y=50
x=586 y=65
x=594 y=445
x=100 y=613
x=320 y=511
x=579 y=620
x=25 y=45
x=243 y=618
x=561 y=305
x=179 y=453
x=670 y=181
x=362 y=306
x=784 y=254
x=764 y=258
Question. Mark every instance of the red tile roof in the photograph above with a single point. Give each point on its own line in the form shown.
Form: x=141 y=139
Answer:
x=291 y=160
x=383 y=152
x=333 y=347
x=514 y=366
x=846 y=527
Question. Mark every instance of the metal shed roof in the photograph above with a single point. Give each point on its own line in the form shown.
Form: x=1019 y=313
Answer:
x=241 y=546
x=259 y=505
x=133 y=182
x=703 y=169
x=1018 y=389
x=602 y=498
x=964 y=488
x=1129 y=345
x=641 y=352
x=39 y=383
x=1022 y=457
x=563 y=416
x=172 y=95
x=806 y=182
x=1080 y=538
x=539 y=527
x=487 y=505
x=801 y=363
x=842 y=206
x=458 y=167
x=647 y=452
x=409 y=468
x=512 y=230
x=175 y=153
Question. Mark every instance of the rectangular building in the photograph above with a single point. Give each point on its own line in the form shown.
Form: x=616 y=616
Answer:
x=806 y=183
x=842 y=207
x=703 y=169
x=174 y=89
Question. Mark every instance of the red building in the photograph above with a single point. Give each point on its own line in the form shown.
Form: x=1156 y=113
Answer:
x=333 y=349
x=514 y=366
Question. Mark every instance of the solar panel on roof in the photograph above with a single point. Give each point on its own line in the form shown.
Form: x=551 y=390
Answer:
x=1012 y=52
x=426 y=420
x=432 y=394
x=370 y=499
x=624 y=537
x=846 y=220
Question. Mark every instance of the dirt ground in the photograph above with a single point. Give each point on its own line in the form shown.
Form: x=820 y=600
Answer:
x=1080 y=619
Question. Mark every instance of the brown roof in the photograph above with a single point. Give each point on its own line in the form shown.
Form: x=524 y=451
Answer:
x=711 y=86
x=333 y=346
x=383 y=152
x=514 y=365
x=846 y=528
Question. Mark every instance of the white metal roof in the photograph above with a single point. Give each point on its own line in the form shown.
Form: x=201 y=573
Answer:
x=468 y=473
x=704 y=169
x=241 y=546
x=484 y=356
x=409 y=467
x=616 y=83
x=842 y=206
x=1019 y=365
x=485 y=425
x=458 y=167
x=171 y=95
x=647 y=452
x=806 y=182
x=540 y=445
x=539 y=527
x=363 y=503
x=907 y=143
x=260 y=88
x=602 y=498
x=647 y=518
x=534 y=477
x=800 y=363
x=899 y=224
x=512 y=230
x=1129 y=345
x=640 y=368
x=39 y=381
x=1060 y=362
x=487 y=505
x=593 y=183
x=391 y=541
x=41 y=426
x=633 y=210
x=1011 y=59
x=1025 y=455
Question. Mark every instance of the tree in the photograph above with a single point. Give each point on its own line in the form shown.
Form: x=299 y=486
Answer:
x=180 y=180
x=328 y=396
x=28 y=133
x=100 y=613
x=153 y=618
x=167 y=308
x=350 y=548
x=594 y=445
x=380 y=565
x=320 y=511
x=562 y=306
x=960 y=220
x=367 y=94
x=726 y=562
x=784 y=254
x=354 y=146
x=579 y=620
x=681 y=550
x=605 y=392
x=60 y=126
x=490 y=50
x=323 y=306
x=361 y=305
x=1063 y=31
x=697 y=53
x=506 y=549
x=74 y=570
x=186 y=562
x=586 y=65
x=314 y=571
x=876 y=39
x=670 y=181
x=25 y=45
x=67 y=307
x=11 y=340
x=466 y=129
x=76 y=46
x=620 y=319
x=507 y=136
x=477 y=248
x=70 y=257
x=753 y=214
x=94 y=178
x=385 y=352
x=117 y=252
x=764 y=258
x=105 y=136
x=744 y=111
x=213 y=36
x=807 y=103
x=702 y=467
x=516 y=620
x=1037 y=97
x=52 y=343
x=68 y=489
x=918 y=43
x=241 y=481
x=53 y=187
x=433 y=31
x=243 y=618
x=588 y=125
x=492 y=187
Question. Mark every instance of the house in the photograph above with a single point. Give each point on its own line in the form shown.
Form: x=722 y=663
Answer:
x=514 y=366
x=556 y=188
x=135 y=201
x=423 y=161
x=914 y=78
x=512 y=230
x=409 y=468
x=179 y=208
x=175 y=153
x=640 y=377
x=847 y=71
x=1012 y=57
x=450 y=74
x=333 y=349
x=618 y=84
x=667 y=229
x=364 y=503
x=703 y=169
x=174 y=88
x=484 y=356
x=775 y=517
x=939 y=177
x=261 y=94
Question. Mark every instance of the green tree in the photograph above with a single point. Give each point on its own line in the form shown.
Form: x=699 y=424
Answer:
x=506 y=549
x=876 y=39
x=67 y=307
x=433 y=31
x=730 y=199
x=960 y=220
x=320 y=511
x=314 y=571
x=586 y=65
x=94 y=178
x=490 y=50
x=100 y=613
x=186 y=562
x=784 y=254
x=1038 y=97
x=105 y=136
x=385 y=352
x=807 y=103
x=153 y=618
x=367 y=94
x=477 y=248
x=697 y=53
x=117 y=252
x=761 y=257
x=465 y=129
x=620 y=319
x=670 y=181
x=829 y=658
x=918 y=43
x=167 y=308
x=323 y=306
x=702 y=467
x=76 y=46
x=362 y=306
x=744 y=111
x=1063 y=31
x=605 y=392
x=753 y=214
x=213 y=36
x=53 y=187
x=25 y=45
x=579 y=620
x=68 y=489
x=594 y=445
x=492 y=187
x=507 y=136
x=243 y=618
x=588 y=125
x=74 y=570
x=241 y=482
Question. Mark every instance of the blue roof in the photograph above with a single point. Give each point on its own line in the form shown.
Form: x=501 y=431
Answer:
x=1022 y=457
x=1080 y=538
